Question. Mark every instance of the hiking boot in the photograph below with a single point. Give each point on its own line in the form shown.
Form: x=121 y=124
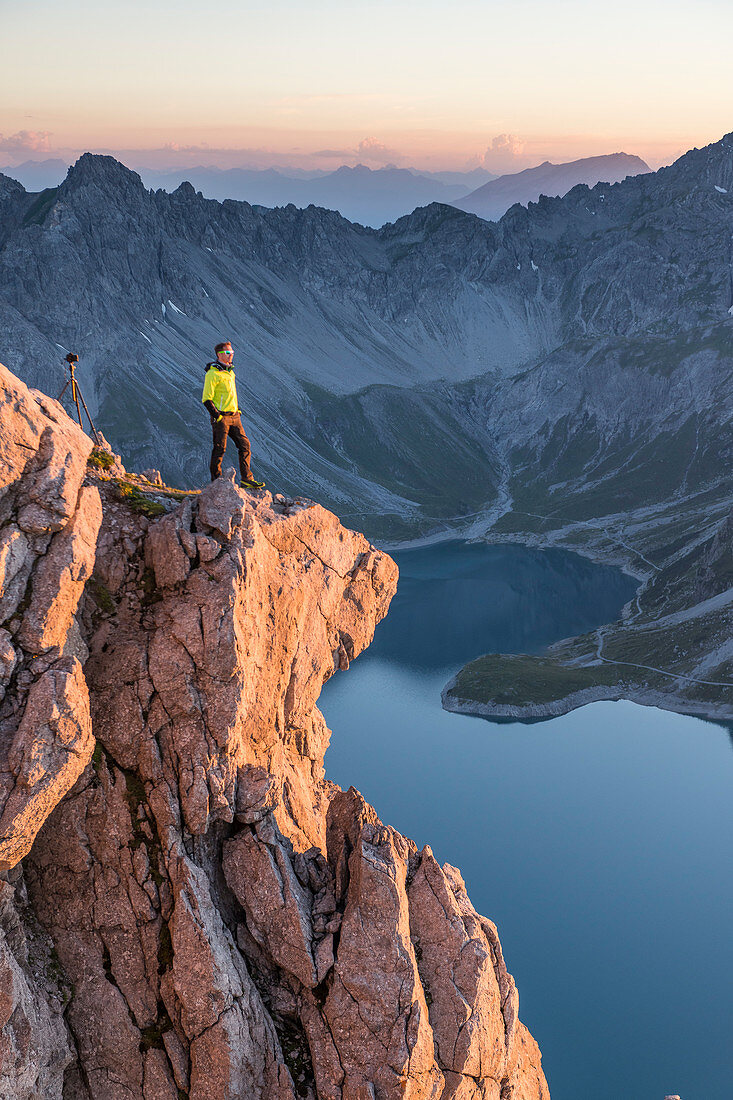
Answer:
x=252 y=484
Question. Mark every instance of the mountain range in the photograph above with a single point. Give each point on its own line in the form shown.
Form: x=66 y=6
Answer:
x=369 y=196
x=570 y=362
x=364 y=195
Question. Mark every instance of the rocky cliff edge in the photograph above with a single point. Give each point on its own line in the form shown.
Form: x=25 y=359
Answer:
x=188 y=907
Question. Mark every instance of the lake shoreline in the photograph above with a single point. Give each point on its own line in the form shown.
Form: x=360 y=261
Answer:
x=598 y=546
x=698 y=692
x=540 y=712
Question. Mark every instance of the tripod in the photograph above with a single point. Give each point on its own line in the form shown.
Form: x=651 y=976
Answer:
x=71 y=361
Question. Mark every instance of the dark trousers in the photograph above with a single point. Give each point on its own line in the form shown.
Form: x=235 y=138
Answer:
x=230 y=425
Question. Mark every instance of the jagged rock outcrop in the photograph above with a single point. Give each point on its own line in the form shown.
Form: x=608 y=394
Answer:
x=203 y=914
x=48 y=533
x=34 y=1051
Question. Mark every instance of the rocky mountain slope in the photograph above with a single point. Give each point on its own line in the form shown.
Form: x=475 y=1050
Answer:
x=494 y=198
x=570 y=362
x=188 y=908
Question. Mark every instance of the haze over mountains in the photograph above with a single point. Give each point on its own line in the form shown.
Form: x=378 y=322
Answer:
x=492 y=199
x=364 y=195
x=573 y=359
x=361 y=194
x=36 y=175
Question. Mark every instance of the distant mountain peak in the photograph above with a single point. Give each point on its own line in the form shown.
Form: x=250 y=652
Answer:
x=185 y=190
x=493 y=199
x=101 y=169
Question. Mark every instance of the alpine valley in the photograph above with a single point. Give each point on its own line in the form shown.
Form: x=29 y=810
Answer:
x=562 y=376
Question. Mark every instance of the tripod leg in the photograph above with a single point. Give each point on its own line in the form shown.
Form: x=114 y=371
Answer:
x=64 y=389
x=74 y=391
x=86 y=410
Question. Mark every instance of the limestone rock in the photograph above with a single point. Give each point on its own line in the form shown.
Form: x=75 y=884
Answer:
x=457 y=966
x=376 y=1009
x=232 y=924
x=52 y=746
x=231 y=665
x=166 y=552
x=8 y=661
x=257 y=792
x=221 y=506
x=16 y=559
x=48 y=534
x=233 y=1045
x=60 y=577
x=113 y=468
x=34 y=1050
x=259 y=869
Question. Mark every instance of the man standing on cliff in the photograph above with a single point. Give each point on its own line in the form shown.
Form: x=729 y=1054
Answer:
x=220 y=398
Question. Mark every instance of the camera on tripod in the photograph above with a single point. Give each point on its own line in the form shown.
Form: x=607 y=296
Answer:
x=71 y=360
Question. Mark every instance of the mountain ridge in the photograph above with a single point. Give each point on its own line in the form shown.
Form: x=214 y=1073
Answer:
x=494 y=198
x=440 y=340
x=366 y=195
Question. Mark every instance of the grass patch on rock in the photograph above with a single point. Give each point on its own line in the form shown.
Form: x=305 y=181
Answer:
x=100 y=460
x=139 y=501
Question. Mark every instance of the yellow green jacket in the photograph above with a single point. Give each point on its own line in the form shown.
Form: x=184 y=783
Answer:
x=221 y=388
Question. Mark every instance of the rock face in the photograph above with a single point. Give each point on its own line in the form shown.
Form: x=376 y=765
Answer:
x=48 y=531
x=203 y=914
x=48 y=534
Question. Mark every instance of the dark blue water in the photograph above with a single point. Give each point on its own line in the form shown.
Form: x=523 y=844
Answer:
x=599 y=842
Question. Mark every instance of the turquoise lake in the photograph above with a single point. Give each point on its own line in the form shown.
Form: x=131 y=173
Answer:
x=599 y=842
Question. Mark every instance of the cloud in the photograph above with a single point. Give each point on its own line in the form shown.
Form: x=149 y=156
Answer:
x=328 y=97
x=505 y=150
x=370 y=148
x=26 y=141
x=509 y=144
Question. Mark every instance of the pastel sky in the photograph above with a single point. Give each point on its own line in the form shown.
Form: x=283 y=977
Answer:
x=500 y=82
